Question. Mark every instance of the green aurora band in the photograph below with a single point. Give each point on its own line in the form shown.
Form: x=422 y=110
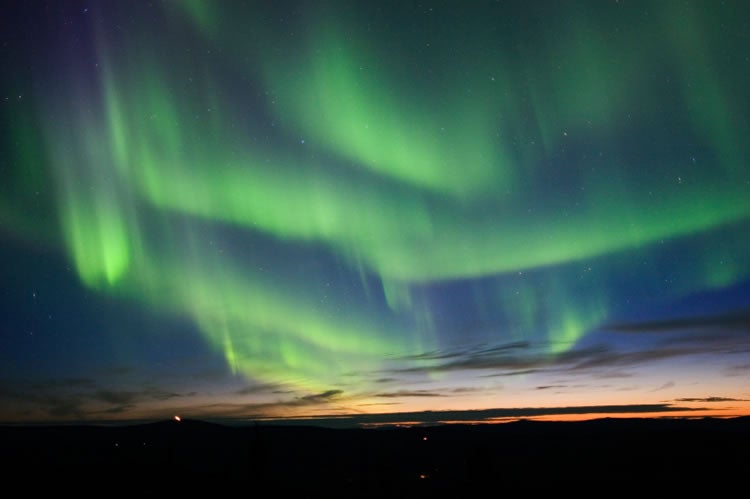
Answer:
x=408 y=186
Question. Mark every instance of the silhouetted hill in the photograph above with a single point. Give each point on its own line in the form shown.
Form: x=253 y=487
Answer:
x=200 y=457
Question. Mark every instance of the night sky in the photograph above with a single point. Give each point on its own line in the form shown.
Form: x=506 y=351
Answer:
x=368 y=210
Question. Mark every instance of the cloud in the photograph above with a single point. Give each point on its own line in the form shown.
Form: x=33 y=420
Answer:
x=72 y=399
x=526 y=358
x=52 y=397
x=471 y=352
x=64 y=408
x=711 y=399
x=665 y=386
x=261 y=388
x=133 y=397
x=486 y=415
x=616 y=355
x=514 y=373
x=115 y=397
x=467 y=389
x=159 y=394
x=118 y=409
x=738 y=370
x=609 y=358
x=410 y=393
x=348 y=420
x=616 y=374
x=322 y=397
x=67 y=398
x=386 y=380
x=734 y=320
x=82 y=382
x=517 y=345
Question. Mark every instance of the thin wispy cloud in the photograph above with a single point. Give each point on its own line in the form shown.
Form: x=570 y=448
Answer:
x=737 y=370
x=710 y=399
x=490 y=415
x=118 y=409
x=410 y=393
x=320 y=397
x=736 y=319
x=386 y=380
x=64 y=408
x=615 y=374
x=521 y=372
x=665 y=386
x=260 y=388
x=506 y=364
x=115 y=397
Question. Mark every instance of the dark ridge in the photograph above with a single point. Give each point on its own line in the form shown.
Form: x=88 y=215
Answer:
x=197 y=457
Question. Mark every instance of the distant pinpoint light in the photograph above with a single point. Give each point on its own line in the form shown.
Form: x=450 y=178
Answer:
x=177 y=418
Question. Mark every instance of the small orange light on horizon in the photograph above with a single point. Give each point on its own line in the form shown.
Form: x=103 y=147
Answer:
x=177 y=418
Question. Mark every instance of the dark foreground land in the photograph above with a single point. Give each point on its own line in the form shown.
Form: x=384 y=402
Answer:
x=607 y=456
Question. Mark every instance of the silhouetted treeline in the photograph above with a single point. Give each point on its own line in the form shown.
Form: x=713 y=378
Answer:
x=204 y=458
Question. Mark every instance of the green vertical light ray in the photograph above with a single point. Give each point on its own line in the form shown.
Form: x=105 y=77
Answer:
x=100 y=230
x=107 y=168
x=552 y=307
x=573 y=317
x=270 y=330
x=260 y=188
x=724 y=263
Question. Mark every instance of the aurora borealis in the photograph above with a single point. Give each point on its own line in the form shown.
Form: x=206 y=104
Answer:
x=316 y=209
